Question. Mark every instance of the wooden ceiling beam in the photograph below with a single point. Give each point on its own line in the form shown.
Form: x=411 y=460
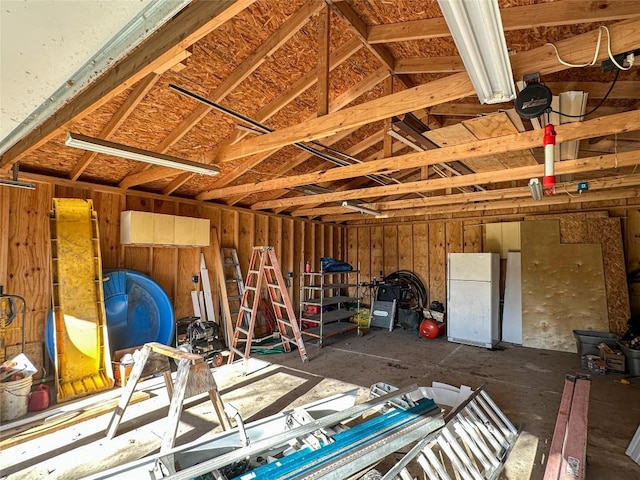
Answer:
x=621 y=122
x=625 y=36
x=591 y=164
x=564 y=12
x=192 y=24
x=405 y=66
x=505 y=204
x=288 y=29
x=387 y=207
x=622 y=89
x=135 y=97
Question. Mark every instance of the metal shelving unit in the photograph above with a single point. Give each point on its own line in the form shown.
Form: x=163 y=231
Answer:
x=324 y=299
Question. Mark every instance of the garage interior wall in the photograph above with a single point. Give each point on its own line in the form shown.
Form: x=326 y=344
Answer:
x=25 y=248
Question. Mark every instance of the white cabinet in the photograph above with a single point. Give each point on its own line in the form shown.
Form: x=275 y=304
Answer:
x=473 y=298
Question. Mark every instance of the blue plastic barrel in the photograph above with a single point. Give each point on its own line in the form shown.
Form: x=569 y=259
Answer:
x=138 y=311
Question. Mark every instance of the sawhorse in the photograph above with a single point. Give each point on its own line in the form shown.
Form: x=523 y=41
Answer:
x=193 y=377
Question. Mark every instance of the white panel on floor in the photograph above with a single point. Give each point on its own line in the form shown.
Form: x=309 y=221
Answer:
x=512 y=313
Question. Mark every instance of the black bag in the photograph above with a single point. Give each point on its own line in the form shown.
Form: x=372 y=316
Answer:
x=330 y=264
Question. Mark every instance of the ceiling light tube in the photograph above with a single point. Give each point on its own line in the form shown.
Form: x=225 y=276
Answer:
x=476 y=28
x=15 y=182
x=364 y=210
x=116 y=149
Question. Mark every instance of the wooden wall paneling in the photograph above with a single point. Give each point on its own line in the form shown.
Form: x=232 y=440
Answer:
x=108 y=207
x=352 y=255
x=338 y=242
x=390 y=256
x=29 y=262
x=298 y=257
x=164 y=260
x=420 y=247
x=275 y=238
x=437 y=263
x=364 y=253
x=246 y=241
x=229 y=222
x=138 y=258
x=405 y=247
x=377 y=252
x=328 y=241
x=563 y=288
x=453 y=236
x=261 y=223
x=472 y=235
x=5 y=208
x=318 y=246
x=189 y=265
x=60 y=191
x=287 y=259
x=309 y=239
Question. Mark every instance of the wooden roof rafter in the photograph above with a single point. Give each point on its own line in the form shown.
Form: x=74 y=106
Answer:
x=144 y=173
x=625 y=36
x=191 y=25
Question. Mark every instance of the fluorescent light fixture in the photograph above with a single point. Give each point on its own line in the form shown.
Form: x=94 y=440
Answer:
x=364 y=210
x=476 y=27
x=14 y=182
x=536 y=189
x=118 y=150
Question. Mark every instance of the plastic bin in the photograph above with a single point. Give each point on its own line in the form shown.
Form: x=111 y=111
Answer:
x=587 y=341
x=633 y=359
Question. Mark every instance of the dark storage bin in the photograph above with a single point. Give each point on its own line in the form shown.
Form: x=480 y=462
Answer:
x=633 y=360
x=587 y=341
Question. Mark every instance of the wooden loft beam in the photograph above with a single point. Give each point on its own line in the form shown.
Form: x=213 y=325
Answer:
x=564 y=12
x=135 y=97
x=621 y=122
x=192 y=24
x=625 y=36
x=505 y=204
x=323 y=60
x=598 y=163
x=404 y=66
x=388 y=207
x=339 y=56
x=287 y=30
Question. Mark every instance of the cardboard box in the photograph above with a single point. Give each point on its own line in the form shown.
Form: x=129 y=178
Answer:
x=121 y=373
x=614 y=359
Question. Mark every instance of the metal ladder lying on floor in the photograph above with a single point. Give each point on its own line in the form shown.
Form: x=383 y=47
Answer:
x=264 y=265
x=473 y=444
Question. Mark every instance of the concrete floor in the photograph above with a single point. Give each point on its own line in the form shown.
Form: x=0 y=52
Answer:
x=525 y=383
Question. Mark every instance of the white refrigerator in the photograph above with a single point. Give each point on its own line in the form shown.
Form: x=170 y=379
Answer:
x=473 y=298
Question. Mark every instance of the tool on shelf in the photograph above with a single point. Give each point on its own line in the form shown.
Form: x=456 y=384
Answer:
x=264 y=266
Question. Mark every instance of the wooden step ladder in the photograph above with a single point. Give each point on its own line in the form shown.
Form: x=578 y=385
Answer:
x=193 y=378
x=264 y=264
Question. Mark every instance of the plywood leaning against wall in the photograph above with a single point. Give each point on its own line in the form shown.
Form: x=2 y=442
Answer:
x=563 y=288
x=598 y=228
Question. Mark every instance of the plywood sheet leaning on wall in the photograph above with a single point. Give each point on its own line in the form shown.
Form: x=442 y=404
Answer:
x=563 y=288
x=598 y=228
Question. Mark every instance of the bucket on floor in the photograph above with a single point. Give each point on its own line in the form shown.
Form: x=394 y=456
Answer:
x=14 y=398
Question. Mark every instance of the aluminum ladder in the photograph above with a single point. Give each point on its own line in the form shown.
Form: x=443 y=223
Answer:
x=473 y=444
x=264 y=266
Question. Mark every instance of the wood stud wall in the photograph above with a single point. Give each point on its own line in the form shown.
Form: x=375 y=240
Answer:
x=25 y=246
